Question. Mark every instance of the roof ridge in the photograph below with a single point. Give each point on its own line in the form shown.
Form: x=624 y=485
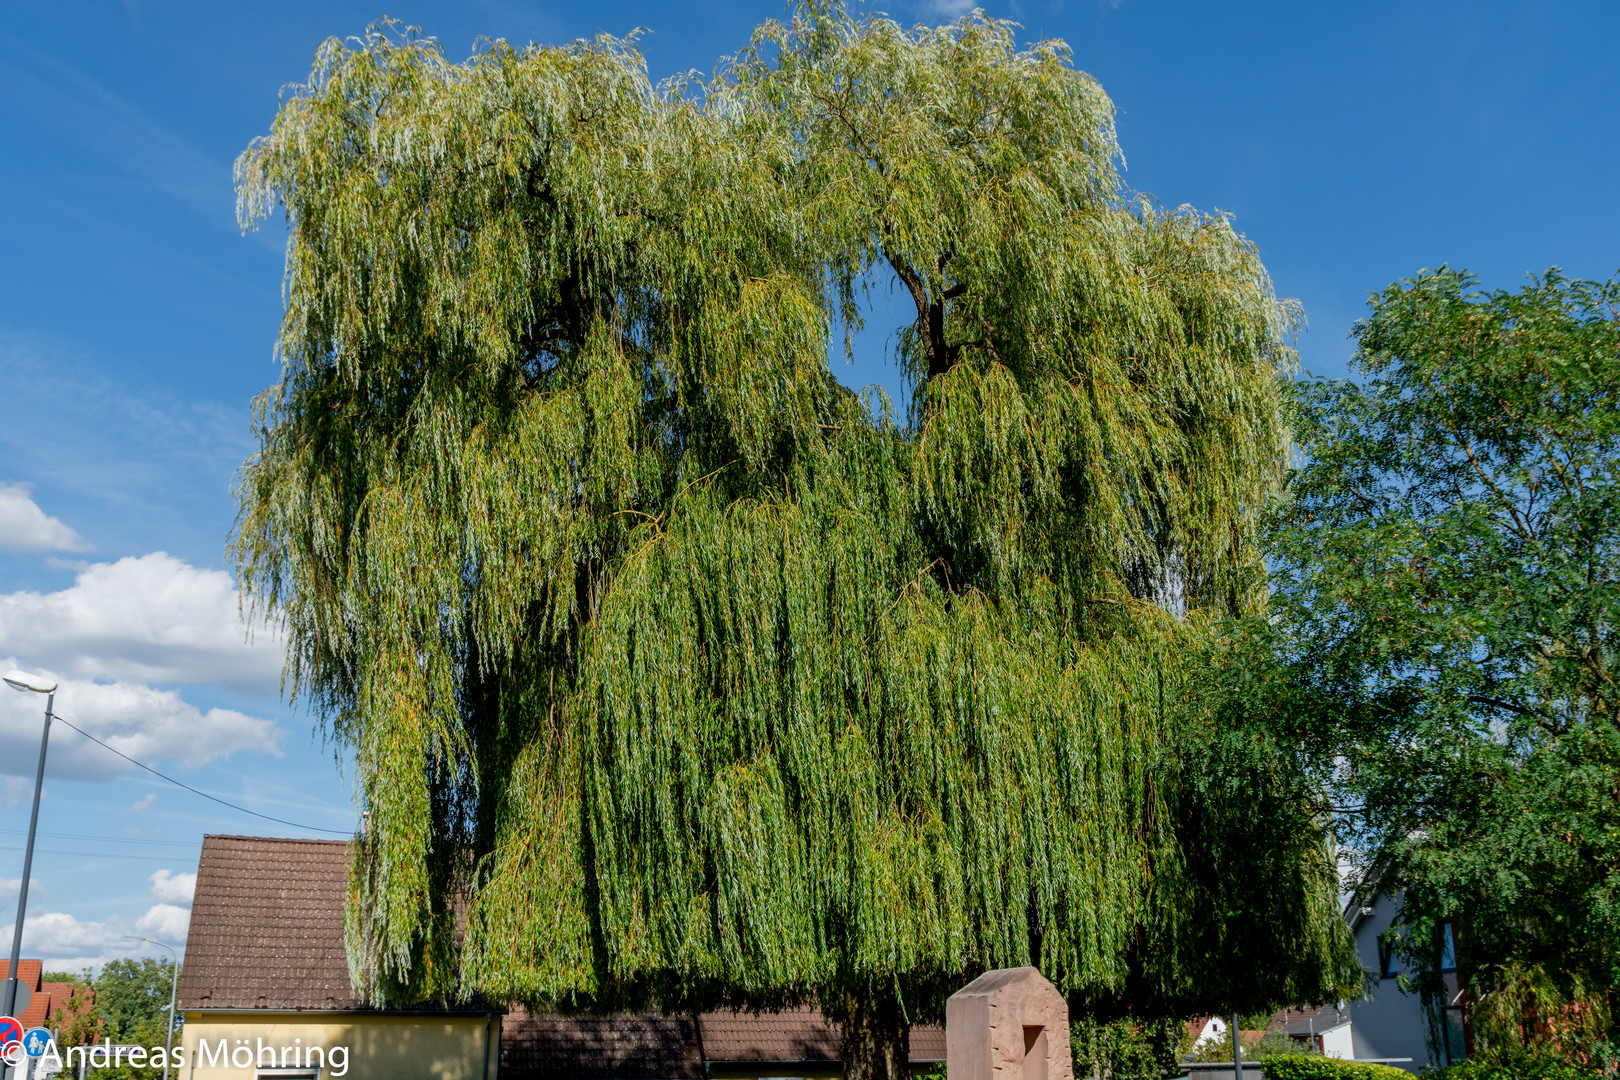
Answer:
x=274 y=839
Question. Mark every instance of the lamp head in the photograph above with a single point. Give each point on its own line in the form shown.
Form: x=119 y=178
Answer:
x=21 y=680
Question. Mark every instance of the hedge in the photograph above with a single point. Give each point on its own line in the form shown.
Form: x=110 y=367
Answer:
x=1311 y=1067
x=1526 y=1067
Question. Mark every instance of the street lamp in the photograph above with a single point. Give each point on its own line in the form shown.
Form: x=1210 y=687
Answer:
x=174 y=982
x=21 y=680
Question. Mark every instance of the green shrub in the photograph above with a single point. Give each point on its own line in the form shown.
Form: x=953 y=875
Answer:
x=1517 y=1066
x=1126 y=1049
x=1311 y=1067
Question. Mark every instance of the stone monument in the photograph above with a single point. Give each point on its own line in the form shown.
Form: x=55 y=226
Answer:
x=1008 y=1024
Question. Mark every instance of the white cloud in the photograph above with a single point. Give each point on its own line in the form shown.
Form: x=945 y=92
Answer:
x=165 y=922
x=149 y=725
x=143 y=803
x=15 y=789
x=63 y=941
x=949 y=9
x=25 y=529
x=151 y=618
x=67 y=943
x=172 y=888
x=8 y=887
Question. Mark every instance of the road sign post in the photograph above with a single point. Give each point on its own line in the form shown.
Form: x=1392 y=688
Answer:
x=11 y=1033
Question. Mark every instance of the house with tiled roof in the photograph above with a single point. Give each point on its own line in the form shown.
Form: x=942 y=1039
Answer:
x=1324 y=1028
x=53 y=1005
x=265 y=992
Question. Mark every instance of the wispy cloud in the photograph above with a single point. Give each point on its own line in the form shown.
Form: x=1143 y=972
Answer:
x=8 y=888
x=25 y=529
x=125 y=135
x=153 y=466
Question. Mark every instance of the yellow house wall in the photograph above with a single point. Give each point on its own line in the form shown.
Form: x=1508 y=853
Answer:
x=381 y=1046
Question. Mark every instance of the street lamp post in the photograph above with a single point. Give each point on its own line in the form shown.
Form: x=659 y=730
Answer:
x=174 y=983
x=21 y=680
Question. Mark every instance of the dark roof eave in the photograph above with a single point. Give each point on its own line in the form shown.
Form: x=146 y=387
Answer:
x=248 y=1010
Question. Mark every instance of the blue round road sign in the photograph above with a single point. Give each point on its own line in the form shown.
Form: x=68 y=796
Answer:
x=10 y=1030
x=35 y=1042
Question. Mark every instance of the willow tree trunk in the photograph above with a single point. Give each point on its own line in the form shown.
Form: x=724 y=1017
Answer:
x=875 y=1038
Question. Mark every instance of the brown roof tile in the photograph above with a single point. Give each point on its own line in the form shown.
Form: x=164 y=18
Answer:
x=617 y=1047
x=652 y=1045
x=794 y=1035
x=790 y=1035
x=928 y=1042
x=267 y=926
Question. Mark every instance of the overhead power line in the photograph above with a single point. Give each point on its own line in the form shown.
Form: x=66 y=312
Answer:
x=121 y=841
x=195 y=791
x=95 y=854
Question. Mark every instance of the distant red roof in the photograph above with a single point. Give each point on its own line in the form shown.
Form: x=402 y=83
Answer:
x=49 y=1005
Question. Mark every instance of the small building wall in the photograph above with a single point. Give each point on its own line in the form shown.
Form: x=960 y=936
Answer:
x=1388 y=1023
x=1337 y=1042
x=381 y=1046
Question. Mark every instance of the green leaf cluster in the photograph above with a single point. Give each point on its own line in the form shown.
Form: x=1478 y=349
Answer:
x=1314 y=1067
x=132 y=1003
x=1519 y=1066
x=1447 y=609
x=675 y=671
x=1125 y=1049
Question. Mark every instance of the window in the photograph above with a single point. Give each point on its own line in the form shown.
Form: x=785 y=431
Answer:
x=1389 y=965
x=1448 y=949
x=287 y=1074
x=1454 y=1042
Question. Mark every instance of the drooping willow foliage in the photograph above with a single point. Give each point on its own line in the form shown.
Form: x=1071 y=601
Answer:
x=674 y=670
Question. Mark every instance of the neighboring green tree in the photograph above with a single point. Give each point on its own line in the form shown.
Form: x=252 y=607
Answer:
x=132 y=1001
x=1125 y=1049
x=1517 y=1063
x=686 y=674
x=1447 y=611
x=80 y=978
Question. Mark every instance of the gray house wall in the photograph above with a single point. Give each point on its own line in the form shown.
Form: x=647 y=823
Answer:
x=1389 y=1023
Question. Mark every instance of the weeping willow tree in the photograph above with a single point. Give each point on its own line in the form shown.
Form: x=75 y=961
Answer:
x=676 y=673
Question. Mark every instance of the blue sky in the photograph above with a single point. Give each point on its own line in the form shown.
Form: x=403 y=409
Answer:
x=1355 y=143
